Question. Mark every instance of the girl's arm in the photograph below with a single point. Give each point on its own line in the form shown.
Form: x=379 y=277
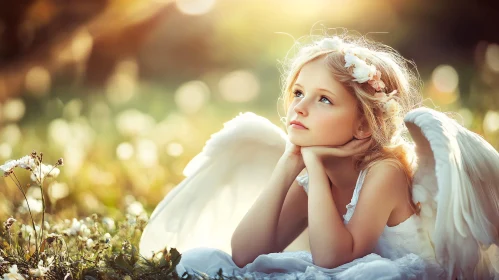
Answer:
x=261 y=231
x=331 y=242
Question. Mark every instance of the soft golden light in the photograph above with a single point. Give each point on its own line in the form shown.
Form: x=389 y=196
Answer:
x=37 y=81
x=195 y=7
x=13 y=110
x=445 y=78
x=192 y=96
x=492 y=57
x=239 y=86
x=491 y=122
x=124 y=151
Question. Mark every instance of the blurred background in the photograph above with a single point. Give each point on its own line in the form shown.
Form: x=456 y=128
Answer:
x=128 y=91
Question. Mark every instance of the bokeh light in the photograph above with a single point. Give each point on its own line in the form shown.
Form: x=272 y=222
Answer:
x=13 y=110
x=124 y=151
x=239 y=86
x=492 y=57
x=491 y=122
x=38 y=81
x=122 y=85
x=195 y=7
x=175 y=149
x=445 y=78
x=192 y=96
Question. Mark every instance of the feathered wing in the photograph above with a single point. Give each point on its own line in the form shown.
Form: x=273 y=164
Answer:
x=457 y=183
x=221 y=184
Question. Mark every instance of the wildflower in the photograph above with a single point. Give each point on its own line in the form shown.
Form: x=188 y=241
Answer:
x=13 y=274
x=109 y=223
x=35 y=205
x=135 y=208
x=41 y=271
x=90 y=243
x=42 y=171
x=107 y=237
x=8 y=224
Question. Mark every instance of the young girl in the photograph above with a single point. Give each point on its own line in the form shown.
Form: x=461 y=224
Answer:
x=345 y=99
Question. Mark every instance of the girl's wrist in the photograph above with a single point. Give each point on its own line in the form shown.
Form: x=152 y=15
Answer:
x=293 y=163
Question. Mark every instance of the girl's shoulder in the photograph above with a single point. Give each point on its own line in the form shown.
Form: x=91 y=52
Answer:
x=386 y=176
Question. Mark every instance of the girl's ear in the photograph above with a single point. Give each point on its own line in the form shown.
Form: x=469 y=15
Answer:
x=362 y=130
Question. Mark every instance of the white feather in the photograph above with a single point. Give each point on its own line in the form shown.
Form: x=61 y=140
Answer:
x=221 y=184
x=460 y=171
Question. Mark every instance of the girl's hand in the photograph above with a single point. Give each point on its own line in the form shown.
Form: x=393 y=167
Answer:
x=320 y=153
x=294 y=156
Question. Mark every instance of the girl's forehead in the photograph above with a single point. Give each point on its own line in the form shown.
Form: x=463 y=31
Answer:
x=316 y=74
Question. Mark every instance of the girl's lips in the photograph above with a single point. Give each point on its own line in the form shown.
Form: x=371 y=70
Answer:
x=297 y=126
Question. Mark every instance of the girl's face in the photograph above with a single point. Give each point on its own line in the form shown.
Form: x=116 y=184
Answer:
x=327 y=111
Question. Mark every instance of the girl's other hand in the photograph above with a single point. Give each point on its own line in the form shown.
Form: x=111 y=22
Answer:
x=294 y=156
x=321 y=153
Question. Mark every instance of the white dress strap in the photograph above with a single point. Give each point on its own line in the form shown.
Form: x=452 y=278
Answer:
x=303 y=181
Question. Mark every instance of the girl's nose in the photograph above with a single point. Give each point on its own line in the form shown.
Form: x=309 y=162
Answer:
x=300 y=108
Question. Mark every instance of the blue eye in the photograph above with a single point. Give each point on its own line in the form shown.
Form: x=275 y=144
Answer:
x=327 y=100
x=296 y=93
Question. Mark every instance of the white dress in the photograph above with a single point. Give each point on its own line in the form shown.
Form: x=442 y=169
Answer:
x=403 y=251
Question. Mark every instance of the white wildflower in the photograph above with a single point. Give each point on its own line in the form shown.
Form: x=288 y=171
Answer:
x=391 y=107
x=360 y=52
x=41 y=271
x=135 y=208
x=7 y=167
x=84 y=230
x=107 y=237
x=13 y=274
x=334 y=43
x=90 y=243
x=74 y=229
x=363 y=72
x=43 y=171
x=109 y=223
x=351 y=60
x=27 y=162
x=35 y=205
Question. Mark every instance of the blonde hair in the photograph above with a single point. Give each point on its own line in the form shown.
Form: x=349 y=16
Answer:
x=388 y=130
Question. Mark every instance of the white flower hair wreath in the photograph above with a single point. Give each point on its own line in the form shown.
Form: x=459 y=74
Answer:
x=355 y=57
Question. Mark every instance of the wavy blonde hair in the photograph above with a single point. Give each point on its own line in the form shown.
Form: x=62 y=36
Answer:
x=388 y=130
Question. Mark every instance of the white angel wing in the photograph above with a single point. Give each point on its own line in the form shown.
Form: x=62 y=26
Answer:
x=221 y=184
x=457 y=183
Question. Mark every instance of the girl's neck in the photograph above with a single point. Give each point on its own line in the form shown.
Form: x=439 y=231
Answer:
x=341 y=173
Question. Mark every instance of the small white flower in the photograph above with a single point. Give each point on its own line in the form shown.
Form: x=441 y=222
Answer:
x=8 y=166
x=42 y=171
x=351 y=60
x=109 y=223
x=391 y=107
x=135 y=208
x=90 y=243
x=107 y=237
x=84 y=230
x=363 y=72
x=360 y=52
x=27 y=162
x=41 y=271
x=13 y=274
x=35 y=205
x=334 y=43
x=75 y=228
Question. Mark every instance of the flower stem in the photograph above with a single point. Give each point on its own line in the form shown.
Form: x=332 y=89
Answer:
x=18 y=184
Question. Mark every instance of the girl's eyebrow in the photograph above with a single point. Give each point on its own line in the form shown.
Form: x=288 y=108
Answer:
x=318 y=89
